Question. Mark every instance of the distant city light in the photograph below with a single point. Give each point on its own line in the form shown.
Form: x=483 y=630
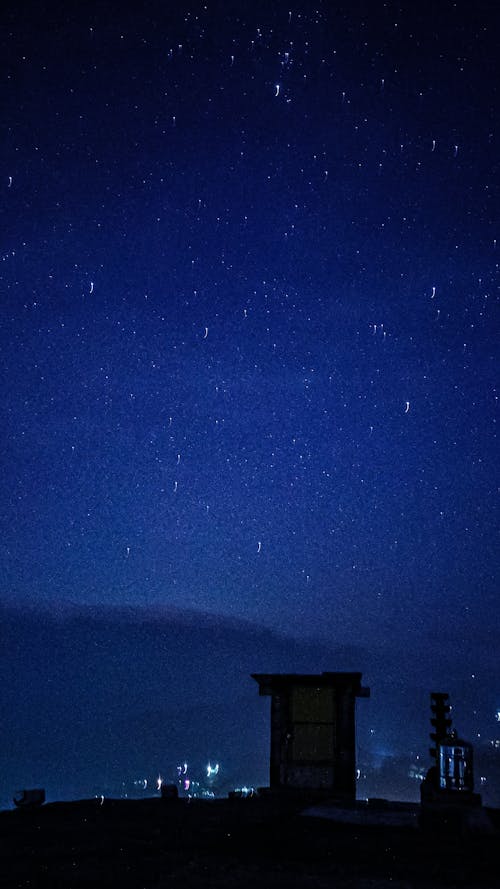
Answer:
x=416 y=773
x=212 y=770
x=497 y=716
x=245 y=791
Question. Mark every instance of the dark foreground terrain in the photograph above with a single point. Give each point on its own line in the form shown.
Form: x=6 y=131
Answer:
x=261 y=842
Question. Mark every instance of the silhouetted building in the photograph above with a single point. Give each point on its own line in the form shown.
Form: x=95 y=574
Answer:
x=447 y=792
x=313 y=730
x=451 y=777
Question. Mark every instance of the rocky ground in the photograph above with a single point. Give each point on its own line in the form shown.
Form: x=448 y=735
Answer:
x=260 y=842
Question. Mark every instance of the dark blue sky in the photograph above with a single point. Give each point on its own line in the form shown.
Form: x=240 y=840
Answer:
x=249 y=321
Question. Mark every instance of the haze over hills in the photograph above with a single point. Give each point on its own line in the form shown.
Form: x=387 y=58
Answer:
x=93 y=698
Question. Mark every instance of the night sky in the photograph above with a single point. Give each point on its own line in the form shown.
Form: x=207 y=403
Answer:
x=249 y=293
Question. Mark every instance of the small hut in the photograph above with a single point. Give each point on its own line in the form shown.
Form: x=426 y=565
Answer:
x=313 y=731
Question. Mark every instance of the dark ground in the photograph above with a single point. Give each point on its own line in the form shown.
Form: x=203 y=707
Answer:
x=262 y=842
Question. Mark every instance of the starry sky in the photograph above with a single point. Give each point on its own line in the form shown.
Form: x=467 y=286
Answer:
x=249 y=291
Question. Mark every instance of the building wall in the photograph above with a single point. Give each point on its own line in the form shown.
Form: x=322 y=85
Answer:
x=313 y=730
x=312 y=739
